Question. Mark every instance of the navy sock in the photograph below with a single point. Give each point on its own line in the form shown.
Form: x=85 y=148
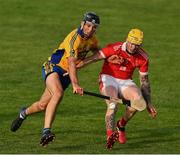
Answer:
x=23 y=113
x=46 y=130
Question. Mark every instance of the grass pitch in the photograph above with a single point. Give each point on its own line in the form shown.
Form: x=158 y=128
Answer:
x=30 y=30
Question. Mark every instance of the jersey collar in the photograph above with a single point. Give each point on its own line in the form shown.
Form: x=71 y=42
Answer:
x=80 y=32
x=123 y=47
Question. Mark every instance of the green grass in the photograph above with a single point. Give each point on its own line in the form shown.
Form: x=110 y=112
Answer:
x=30 y=30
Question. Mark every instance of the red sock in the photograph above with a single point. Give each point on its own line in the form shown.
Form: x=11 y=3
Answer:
x=109 y=132
x=122 y=122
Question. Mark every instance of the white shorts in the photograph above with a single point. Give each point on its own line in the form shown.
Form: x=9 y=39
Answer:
x=119 y=84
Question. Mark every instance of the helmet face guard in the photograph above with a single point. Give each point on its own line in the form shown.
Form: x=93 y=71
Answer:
x=92 y=17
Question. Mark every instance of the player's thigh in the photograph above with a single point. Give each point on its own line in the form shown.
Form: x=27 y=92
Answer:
x=53 y=84
x=46 y=96
x=131 y=93
x=109 y=91
x=108 y=85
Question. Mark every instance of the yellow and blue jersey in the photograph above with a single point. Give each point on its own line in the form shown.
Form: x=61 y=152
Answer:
x=73 y=45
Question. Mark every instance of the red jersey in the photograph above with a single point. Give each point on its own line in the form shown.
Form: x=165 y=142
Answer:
x=130 y=62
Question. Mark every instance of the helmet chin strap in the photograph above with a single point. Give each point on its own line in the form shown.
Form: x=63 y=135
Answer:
x=130 y=52
x=81 y=29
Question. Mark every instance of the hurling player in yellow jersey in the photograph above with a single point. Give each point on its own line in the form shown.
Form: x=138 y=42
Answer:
x=63 y=61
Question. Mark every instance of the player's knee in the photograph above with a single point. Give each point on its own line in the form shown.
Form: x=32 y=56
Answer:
x=140 y=102
x=58 y=94
x=111 y=109
x=110 y=114
x=137 y=96
x=42 y=106
x=112 y=106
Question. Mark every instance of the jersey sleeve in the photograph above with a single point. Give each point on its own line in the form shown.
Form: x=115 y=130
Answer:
x=143 y=69
x=107 y=51
x=144 y=62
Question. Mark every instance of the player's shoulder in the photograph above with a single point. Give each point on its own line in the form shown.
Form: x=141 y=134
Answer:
x=143 y=54
x=115 y=46
x=72 y=36
x=72 y=33
x=94 y=38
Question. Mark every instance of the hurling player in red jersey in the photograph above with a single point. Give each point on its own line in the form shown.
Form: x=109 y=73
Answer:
x=120 y=61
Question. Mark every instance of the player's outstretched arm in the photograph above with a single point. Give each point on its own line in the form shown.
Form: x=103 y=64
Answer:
x=73 y=76
x=145 y=88
x=93 y=58
x=146 y=92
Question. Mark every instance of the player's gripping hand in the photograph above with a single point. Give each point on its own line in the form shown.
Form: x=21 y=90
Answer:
x=77 y=90
x=152 y=110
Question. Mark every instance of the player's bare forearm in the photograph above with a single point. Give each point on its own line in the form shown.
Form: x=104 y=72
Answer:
x=72 y=71
x=146 y=92
x=145 y=88
x=93 y=58
x=95 y=50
